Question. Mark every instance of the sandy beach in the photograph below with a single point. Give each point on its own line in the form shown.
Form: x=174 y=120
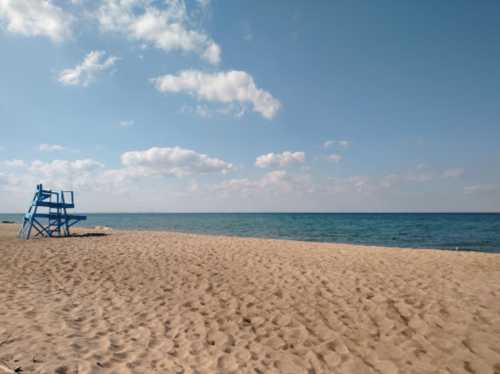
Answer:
x=160 y=302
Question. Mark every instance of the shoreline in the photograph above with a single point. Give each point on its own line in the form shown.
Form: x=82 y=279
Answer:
x=109 y=230
x=465 y=232
x=342 y=244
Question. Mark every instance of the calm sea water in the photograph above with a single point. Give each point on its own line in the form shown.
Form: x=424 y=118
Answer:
x=469 y=231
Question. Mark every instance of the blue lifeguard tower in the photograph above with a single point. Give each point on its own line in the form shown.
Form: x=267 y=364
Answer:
x=55 y=220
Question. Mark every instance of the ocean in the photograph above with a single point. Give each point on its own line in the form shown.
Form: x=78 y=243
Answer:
x=462 y=231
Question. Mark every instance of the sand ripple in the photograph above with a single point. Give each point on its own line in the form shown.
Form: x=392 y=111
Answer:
x=160 y=302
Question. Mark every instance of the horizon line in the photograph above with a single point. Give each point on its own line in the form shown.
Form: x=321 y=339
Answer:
x=286 y=212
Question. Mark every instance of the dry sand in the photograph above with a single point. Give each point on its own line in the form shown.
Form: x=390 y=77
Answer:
x=158 y=302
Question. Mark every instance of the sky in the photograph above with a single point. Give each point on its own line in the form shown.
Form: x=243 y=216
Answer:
x=213 y=105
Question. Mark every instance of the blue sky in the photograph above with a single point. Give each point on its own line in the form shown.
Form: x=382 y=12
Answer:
x=145 y=105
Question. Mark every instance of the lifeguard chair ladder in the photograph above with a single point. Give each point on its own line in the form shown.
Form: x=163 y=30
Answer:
x=55 y=221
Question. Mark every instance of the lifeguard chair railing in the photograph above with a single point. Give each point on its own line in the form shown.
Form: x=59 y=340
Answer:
x=55 y=220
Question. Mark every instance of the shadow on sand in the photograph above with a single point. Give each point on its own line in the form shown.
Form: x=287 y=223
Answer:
x=88 y=234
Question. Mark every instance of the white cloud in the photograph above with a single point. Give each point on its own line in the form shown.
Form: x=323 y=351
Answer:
x=84 y=73
x=225 y=87
x=340 y=143
x=103 y=189
x=36 y=18
x=419 y=176
x=277 y=181
x=141 y=169
x=371 y=184
x=211 y=111
x=65 y=174
x=453 y=173
x=64 y=167
x=279 y=159
x=174 y=161
x=357 y=183
x=367 y=184
x=84 y=174
x=481 y=189
x=51 y=147
x=167 y=28
x=203 y=111
x=14 y=163
x=334 y=158
x=128 y=123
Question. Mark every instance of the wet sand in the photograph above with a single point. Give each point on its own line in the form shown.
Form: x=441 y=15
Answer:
x=160 y=302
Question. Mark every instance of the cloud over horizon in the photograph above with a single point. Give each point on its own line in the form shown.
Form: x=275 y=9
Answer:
x=334 y=158
x=200 y=177
x=453 y=173
x=51 y=147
